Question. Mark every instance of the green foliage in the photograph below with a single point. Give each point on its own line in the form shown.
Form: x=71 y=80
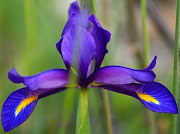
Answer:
x=57 y=113
x=82 y=121
x=175 y=127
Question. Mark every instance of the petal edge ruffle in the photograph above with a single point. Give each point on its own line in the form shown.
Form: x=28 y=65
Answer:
x=123 y=75
x=101 y=37
x=50 y=79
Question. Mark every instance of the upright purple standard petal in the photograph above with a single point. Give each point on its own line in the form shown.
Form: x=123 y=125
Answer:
x=70 y=22
x=123 y=75
x=101 y=37
x=76 y=16
x=153 y=95
x=78 y=49
x=74 y=8
x=47 y=80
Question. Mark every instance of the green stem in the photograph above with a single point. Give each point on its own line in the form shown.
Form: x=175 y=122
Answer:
x=94 y=7
x=30 y=36
x=107 y=112
x=1 y=19
x=82 y=121
x=81 y=3
x=145 y=33
x=146 y=58
x=67 y=109
x=30 y=30
x=176 y=70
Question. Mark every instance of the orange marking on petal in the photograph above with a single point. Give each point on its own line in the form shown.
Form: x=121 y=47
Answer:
x=147 y=98
x=24 y=103
x=95 y=84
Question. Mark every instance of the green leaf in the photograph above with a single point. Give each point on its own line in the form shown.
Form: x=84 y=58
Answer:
x=175 y=128
x=82 y=120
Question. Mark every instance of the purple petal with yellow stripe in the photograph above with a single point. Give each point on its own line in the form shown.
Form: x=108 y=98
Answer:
x=157 y=98
x=17 y=108
x=50 y=79
x=20 y=104
x=153 y=95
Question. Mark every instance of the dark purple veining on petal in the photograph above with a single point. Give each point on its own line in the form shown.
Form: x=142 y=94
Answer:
x=165 y=100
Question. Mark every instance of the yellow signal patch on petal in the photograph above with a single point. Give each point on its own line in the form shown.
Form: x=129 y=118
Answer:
x=147 y=98
x=24 y=103
x=95 y=84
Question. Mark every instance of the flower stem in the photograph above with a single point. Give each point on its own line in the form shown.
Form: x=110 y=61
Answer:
x=94 y=7
x=30 y=30
x=145 y=33
x=146 y=58
x=67 y=109
x=82 y=121
x=176 y=70
x=107 y=112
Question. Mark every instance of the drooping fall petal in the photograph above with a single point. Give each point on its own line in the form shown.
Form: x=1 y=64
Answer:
x=153 y=95
x=20 y=104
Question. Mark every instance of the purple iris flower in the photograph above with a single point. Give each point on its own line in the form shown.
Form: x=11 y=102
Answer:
x=80 y=46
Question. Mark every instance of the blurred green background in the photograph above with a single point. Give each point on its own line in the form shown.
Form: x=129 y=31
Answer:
x=29 y=31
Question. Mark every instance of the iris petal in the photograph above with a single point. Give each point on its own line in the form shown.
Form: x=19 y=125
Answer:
x=16 y=109
x=70 y=22
x=47 y=80
x=153 y=95
x=14 y=76
x=74 y=8
x=20 y=104
x=123 y=75
x=78 y=49
x=101 y=37
x=76 y=16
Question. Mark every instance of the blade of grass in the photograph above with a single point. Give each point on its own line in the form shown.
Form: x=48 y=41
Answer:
x=66 y=109
x=145 y=33
x=1 y=65
x=146 y=58
x=82 y=121
x=67 y=105
x=175 y=129
x=26 y=62
x=30 y=30
x=107 y=112
x=94 y=7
